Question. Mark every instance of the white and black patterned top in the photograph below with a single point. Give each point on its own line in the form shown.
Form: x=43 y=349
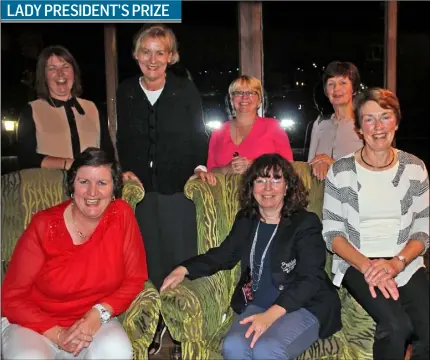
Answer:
x=341 y=206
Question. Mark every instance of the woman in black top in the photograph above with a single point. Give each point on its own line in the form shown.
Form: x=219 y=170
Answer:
x=59 y=125
x=161 y=139
x=284 y=298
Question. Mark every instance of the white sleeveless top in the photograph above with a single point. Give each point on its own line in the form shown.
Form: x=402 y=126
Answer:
x=380 y=218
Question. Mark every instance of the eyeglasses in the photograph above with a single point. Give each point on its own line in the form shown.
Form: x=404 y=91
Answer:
x=263 y=181
x=244 y=93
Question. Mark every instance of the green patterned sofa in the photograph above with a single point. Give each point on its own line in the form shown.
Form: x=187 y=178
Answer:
x=197 y=312
x=28 y=191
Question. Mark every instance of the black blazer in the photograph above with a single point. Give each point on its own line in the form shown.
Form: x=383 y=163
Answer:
x=298 y=257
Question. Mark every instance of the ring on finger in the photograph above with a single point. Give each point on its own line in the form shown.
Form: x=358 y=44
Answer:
x=386 y=271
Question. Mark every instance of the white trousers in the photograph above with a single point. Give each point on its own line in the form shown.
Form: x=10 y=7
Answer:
x=109 y=342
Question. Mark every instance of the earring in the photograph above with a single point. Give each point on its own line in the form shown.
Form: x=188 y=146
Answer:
x=72 y=196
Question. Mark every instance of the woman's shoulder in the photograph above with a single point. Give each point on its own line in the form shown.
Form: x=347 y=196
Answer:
x=86 y=102
x=345 y=163
x=52 y=213
x=267 y=121
x=37 y=104
x=181 y=84
x=406 y=158
x=122 y=207
x=222 y=130
x=306 y=218
x=129 y=84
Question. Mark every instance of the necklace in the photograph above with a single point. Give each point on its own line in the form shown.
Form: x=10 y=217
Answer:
x=79 y=232
x=236 y=137
x=377 y=167
x=257 y=272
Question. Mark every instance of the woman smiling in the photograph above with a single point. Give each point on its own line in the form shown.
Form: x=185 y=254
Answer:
x=376 y=220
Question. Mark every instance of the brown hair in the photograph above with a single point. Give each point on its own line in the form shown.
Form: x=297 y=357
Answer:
x=345 y=69
x=296 y=197
x=95 y=157
x=42 y=89
x=385 y=99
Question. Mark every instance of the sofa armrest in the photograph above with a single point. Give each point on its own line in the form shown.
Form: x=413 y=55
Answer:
x=132 y=192
x=141 y=319
x=196 y=309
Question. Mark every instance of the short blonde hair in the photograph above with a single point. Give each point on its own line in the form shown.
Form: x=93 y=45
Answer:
x=246 y=81
x=158 y=31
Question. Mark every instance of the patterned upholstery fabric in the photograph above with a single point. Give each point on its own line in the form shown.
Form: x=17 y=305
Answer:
x=198 y=312
x=27 y=191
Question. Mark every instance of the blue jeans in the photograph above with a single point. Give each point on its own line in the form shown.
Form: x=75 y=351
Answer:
x=287 y=338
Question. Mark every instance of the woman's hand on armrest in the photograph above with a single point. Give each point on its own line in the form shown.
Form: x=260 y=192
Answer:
x=174 y=278
x=128 y=175
x=205 y=176
x=52 y=162
x=238 y=165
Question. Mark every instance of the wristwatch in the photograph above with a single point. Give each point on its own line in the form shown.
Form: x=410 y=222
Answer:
x=105 y=315
x=401 y=258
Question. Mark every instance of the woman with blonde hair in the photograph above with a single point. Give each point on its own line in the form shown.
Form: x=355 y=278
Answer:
x=234 y=146
x=160 y=140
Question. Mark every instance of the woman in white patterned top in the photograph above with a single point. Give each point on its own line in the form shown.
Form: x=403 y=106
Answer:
x=376 y=222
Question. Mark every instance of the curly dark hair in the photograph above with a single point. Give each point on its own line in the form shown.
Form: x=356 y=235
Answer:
x=95 y=157
x=296 y=197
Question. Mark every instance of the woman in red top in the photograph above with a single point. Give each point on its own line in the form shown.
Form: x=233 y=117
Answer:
x=239 y=141
x=76 y=266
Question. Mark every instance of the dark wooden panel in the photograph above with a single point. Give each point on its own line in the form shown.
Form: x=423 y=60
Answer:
x=251 y=39
x=111 y=66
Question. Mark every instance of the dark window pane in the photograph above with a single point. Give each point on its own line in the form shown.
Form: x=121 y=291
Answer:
x=413 y=77
x=300 y=39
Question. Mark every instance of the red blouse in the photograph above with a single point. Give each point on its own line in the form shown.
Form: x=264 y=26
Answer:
x=50 y=281
x=266 y=136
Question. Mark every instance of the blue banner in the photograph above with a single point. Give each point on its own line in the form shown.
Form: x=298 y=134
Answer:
x=91 y=10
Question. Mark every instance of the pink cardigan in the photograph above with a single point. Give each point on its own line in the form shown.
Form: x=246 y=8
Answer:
x=266 y=136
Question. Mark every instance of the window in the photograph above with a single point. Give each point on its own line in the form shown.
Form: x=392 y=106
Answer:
x=413 y=78
x=300 y=41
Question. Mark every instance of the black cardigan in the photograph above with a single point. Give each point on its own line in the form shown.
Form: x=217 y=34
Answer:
x=298 y=257
x=162 y=144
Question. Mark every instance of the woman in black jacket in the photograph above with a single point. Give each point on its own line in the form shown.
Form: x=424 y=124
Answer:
x=161 y=139
x=285 y=299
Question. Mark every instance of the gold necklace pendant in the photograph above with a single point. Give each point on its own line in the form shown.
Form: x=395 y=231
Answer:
x=81 y=234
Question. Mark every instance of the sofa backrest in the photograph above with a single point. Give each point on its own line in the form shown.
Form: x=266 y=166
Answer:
x=25 y=192
x=217 y=206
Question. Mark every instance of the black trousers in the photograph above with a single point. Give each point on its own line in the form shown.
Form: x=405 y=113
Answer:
x=399 y=321
x=169 y=230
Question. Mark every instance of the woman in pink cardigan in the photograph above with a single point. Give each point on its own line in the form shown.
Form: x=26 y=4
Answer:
x=239 y=141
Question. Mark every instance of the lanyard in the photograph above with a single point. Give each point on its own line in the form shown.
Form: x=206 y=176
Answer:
x=263 y=257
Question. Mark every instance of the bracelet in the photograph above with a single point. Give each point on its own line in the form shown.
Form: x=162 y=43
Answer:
x=58 y=338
